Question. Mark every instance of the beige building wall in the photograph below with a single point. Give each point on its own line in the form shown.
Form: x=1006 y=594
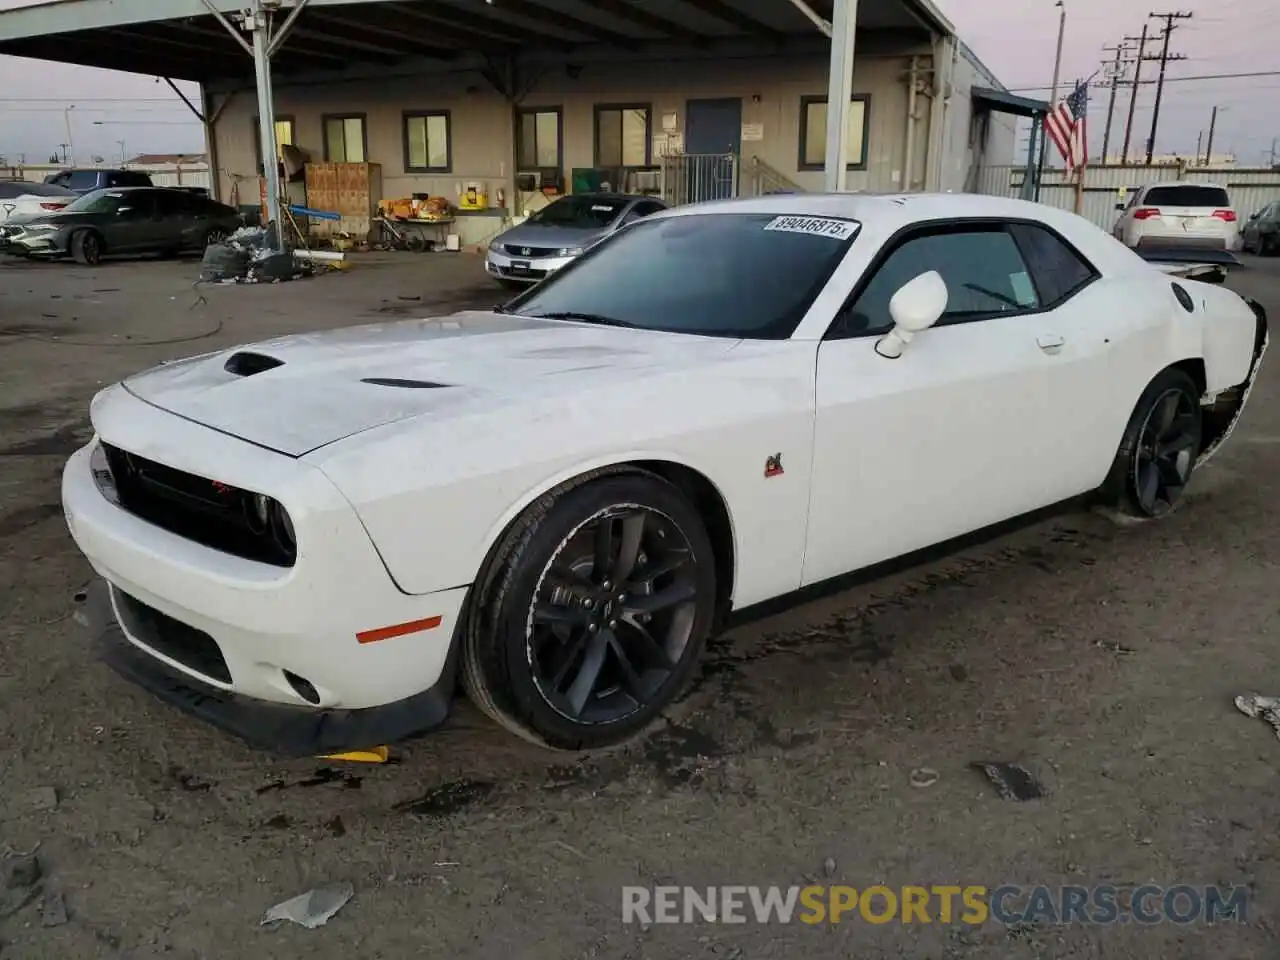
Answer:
x=481 y=125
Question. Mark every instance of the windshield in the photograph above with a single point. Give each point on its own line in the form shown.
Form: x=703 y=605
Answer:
x=721 y=274
x=100 y=201
x=79 y=179
x=580 y=211
x=1187 y=196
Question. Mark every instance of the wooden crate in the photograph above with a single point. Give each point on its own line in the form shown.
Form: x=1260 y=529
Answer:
x=351 y=190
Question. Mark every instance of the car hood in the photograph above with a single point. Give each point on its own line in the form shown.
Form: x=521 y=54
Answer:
x=55 y=218
x=297 y=393
x=533 y=235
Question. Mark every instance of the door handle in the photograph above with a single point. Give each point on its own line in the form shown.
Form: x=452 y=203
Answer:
x=1050 y=342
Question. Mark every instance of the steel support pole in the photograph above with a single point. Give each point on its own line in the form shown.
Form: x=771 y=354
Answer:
x=258 y=22
x=839 y=93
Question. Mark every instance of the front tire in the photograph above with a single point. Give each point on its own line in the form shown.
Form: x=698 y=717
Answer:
x=86 y=247
x=595 y=612
x=1161 y=443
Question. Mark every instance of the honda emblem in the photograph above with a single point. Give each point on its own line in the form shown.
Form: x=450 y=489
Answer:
x=525 y=251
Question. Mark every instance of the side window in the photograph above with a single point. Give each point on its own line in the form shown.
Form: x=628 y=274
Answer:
x=1058 y=270
x=983 y=269
x=173 y=203
x=646 y=208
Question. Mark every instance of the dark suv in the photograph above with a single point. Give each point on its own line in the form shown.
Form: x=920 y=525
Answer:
x=86 y=181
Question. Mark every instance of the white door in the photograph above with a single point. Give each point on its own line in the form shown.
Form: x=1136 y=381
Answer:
x=990 y=414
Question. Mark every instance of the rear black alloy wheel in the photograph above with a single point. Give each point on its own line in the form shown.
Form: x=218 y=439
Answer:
x=1167 y=448
x=596 y=612
x=612 y=615
x=1160 y=446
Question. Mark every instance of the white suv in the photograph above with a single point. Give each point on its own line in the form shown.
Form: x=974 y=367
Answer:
x=1167 y=215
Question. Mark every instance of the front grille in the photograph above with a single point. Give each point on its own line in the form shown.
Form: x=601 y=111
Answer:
x=181 y=643
x=206 y=511
x=518 y=251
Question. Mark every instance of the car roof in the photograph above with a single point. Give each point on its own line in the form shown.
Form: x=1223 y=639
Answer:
x=1187 y=183
x=611 y=195
x=903 y=208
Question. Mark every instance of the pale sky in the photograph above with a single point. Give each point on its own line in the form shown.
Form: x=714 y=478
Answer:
x=1015 y=38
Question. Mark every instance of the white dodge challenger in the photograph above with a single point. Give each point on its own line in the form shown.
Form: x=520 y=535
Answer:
x=307 y=541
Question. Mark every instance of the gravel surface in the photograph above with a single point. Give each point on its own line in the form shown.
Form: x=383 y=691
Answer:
x=828 y=744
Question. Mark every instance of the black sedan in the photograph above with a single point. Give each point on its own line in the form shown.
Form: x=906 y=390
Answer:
x=125 y=220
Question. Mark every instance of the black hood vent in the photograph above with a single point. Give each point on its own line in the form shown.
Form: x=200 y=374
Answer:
x=245 y=364
x=404 y=384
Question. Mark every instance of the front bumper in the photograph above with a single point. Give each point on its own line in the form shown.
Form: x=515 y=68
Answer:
x=522 y=269
x=248 y=631
x=42 y=243
x=289 y=731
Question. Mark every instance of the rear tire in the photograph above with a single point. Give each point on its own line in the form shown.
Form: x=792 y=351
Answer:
x=1158 y=452
x=594 y=612
x=86 y=247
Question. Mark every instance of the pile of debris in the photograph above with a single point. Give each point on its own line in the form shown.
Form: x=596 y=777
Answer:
x=250 y=255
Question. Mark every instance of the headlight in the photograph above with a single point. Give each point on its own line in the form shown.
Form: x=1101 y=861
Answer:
x=495 y=246
x=102 y=475
x=259 y=512
x=570 y=251
x=39 y=227
x=282 y=526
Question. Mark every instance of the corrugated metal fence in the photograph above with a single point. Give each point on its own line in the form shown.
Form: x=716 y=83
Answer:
x=162 y=174
x=1250 y=189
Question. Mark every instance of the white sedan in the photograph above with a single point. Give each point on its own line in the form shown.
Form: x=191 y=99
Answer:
x=19 y=198
x=307 y=540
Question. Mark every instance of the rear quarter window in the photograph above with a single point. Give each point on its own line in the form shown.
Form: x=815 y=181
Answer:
x=1187 y=196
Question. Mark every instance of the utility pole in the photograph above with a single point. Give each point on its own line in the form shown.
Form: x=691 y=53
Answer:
x=63 y=147
x=1120 y=50
x=1208 y=151
x=1053 y=95
x=1169 y=27
x=1199 y=144
x=1133 y=99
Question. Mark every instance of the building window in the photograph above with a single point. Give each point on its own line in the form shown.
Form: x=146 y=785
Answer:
x=284 y=135
x=813 y=132
x=426 y=142
x=622 y=134
x=344 y=138
x=538 y=138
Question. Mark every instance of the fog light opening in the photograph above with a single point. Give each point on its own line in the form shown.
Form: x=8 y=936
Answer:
x=302 y=687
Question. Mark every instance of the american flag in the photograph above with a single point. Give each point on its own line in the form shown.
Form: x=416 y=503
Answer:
x=1067 y=125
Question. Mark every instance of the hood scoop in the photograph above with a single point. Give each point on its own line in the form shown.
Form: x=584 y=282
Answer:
x=404 y=384
x=246 y=364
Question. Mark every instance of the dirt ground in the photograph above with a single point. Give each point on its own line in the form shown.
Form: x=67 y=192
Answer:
x=1102 y=657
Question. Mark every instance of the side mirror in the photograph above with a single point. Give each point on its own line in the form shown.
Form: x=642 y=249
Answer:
x=916 y=306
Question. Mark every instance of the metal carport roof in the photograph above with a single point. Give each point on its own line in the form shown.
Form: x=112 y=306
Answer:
x=183 y=40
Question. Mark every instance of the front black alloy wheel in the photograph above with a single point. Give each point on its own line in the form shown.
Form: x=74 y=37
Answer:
x=613 y=614
x=596 y=615
x=1161 y=445
x=86 y=247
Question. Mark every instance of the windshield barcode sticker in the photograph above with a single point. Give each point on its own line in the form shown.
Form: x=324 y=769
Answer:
x=815 y=226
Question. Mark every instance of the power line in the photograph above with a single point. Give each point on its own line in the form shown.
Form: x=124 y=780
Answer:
x=1170 y=24
x=1207 y=76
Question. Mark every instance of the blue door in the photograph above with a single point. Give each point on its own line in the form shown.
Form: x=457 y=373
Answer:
x=713 y=131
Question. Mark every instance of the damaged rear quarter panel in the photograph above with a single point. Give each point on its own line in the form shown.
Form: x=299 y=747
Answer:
x=1228 y=333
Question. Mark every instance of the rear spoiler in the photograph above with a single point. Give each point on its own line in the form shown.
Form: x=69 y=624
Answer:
x=1207 y=264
